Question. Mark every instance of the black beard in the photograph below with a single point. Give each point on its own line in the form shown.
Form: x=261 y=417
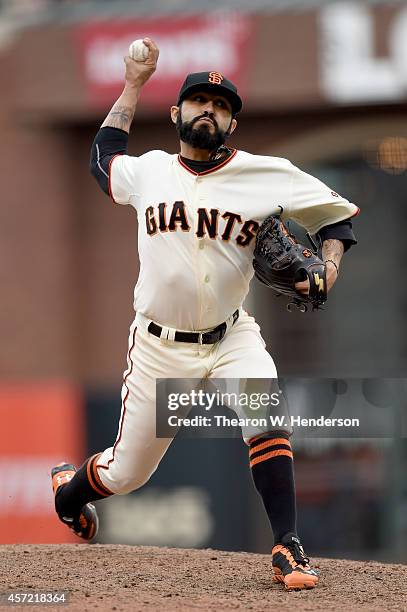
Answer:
x=201 y=138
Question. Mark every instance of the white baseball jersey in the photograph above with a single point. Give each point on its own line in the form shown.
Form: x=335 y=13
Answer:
x=196 y=232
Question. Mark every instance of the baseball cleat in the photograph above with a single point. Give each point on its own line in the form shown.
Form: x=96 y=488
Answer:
x=86 y=524
x=291 y=566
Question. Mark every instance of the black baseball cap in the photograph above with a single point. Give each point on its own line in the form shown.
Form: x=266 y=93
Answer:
x=212 y=82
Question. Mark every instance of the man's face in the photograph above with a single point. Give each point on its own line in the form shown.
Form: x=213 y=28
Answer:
x=204 y=120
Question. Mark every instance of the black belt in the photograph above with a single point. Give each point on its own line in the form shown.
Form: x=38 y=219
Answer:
x=208 y=337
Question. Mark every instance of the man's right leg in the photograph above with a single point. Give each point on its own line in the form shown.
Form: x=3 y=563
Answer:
x=136 y=453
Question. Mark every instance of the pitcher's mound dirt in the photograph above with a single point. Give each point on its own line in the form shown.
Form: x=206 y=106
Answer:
x=102 y=577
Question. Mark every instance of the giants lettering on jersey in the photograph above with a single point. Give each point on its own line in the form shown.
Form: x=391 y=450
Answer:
x=209 y=223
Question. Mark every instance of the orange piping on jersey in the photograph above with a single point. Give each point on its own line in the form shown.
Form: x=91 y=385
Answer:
x=119 y=436
x=225 y=161
x=109 y=182
x=355 y=213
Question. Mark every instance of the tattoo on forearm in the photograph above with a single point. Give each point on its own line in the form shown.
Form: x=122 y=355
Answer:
x=120 y=117
x=332 y=249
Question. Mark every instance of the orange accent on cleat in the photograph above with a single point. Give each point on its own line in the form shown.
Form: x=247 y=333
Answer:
x=296 y=580
x=83 y=521
x=61 y=478
x=291 y=566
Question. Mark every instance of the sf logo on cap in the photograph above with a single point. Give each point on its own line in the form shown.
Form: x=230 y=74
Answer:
x=215 y=78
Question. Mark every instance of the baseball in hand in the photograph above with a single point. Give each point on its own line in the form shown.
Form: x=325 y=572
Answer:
x=138 y=50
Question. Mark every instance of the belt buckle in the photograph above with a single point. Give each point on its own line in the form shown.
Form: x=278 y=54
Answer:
x=200 y=337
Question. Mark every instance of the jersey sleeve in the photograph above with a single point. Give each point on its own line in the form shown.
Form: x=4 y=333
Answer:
x=124 y=178
x=315 y=205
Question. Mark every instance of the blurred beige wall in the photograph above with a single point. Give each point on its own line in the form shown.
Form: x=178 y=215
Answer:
x=69 y=255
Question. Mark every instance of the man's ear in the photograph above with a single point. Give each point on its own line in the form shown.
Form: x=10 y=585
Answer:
x=233 y=126
x=174 y=113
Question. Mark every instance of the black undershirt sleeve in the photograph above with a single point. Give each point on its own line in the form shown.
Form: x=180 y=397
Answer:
x=108 y=142
x=339 y=231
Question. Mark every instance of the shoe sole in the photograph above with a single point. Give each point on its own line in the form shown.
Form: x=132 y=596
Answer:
x=89 y=510
x=299 y=582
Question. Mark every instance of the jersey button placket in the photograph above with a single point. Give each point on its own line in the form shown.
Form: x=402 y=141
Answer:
x=199 y=201
x=201 y=204
x=202 y=201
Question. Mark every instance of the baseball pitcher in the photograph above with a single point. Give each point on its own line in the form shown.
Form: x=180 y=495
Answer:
x=198 y=215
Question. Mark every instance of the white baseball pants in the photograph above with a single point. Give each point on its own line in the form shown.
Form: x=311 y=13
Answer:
x=137 y=451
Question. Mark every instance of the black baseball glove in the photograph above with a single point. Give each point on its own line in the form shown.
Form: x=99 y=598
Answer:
x=280 y=262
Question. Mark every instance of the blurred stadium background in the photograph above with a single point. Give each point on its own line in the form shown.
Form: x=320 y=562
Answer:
x=324 y=84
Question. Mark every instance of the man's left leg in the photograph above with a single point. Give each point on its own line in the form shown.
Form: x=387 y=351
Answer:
x=242 y=355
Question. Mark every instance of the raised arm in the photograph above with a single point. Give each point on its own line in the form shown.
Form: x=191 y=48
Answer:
x=137 y=74
x=112 y=138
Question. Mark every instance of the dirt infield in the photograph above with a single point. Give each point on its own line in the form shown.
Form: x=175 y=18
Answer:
x=102 y=577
